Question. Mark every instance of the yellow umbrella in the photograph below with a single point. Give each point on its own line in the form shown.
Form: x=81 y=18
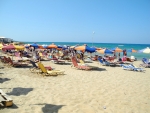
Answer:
x=17 y=47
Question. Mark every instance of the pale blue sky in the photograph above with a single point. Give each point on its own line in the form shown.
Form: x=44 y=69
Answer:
x=113 y=21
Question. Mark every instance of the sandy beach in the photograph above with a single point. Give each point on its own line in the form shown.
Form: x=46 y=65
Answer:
x=106 y=90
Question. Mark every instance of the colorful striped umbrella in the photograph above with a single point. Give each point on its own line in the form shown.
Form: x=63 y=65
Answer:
x=105 y=51
x=117 y=49
x=85 y=48
x=131 y=50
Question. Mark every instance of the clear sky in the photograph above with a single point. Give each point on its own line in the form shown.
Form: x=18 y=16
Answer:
x=104 y=21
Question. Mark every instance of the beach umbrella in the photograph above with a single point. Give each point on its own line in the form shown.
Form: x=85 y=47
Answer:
x=72 y=47
x=99 y=48
x=45 y=46
x=146 y=50
x=131 y=50
x=85 y=48
x=19 y=47
x=40 y=47
x=105 y=51
x=27 y=45
x=51 y=46
x=34 y=45
x=62 y=47
x=9 y=47
x=116 y=49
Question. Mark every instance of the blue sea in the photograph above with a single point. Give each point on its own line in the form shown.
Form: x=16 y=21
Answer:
x=137 y=47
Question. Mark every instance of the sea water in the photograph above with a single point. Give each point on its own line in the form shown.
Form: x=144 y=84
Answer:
x=123 y=46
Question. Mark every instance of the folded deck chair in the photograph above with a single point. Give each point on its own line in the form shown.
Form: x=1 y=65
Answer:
x=5 y=100
x=75 y=64
x=52 y=72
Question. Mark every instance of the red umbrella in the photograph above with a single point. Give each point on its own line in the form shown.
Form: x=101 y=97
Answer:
x=9 y=47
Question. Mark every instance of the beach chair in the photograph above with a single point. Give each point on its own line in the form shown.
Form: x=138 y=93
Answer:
x=35 y=68
x=19 y=58
x=104 y=63
x=134 y=68
x=131 y=67
x=5 y=61
x=92 y=67
x=81 y=67
x=45 y=72
x=126 y=67
x=17 y=64
x=146 y=63
x=58 y=61
x=42 y=56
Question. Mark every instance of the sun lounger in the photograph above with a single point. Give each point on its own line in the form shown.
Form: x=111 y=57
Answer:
x=45 y=72
x=35 y=68
x=145 y=64
x=81 y=67
x=126 y=67
x=134 y=68
x=92 y=67
x=17 y=64
x=106 y=63
x=131 y=67
x=58 y=61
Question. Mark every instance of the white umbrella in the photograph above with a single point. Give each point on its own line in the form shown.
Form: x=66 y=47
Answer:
x=146 y=50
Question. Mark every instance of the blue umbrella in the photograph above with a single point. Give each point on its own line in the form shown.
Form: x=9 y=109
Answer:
x=90 y=49
x=64 y=47
x=131 y=50
x=105 y=51
x=35 y=45
x=85 y=48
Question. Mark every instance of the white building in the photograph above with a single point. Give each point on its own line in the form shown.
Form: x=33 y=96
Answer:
x=5 y=40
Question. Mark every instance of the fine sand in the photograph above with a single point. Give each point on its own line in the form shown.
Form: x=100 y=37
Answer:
x=106 y=90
